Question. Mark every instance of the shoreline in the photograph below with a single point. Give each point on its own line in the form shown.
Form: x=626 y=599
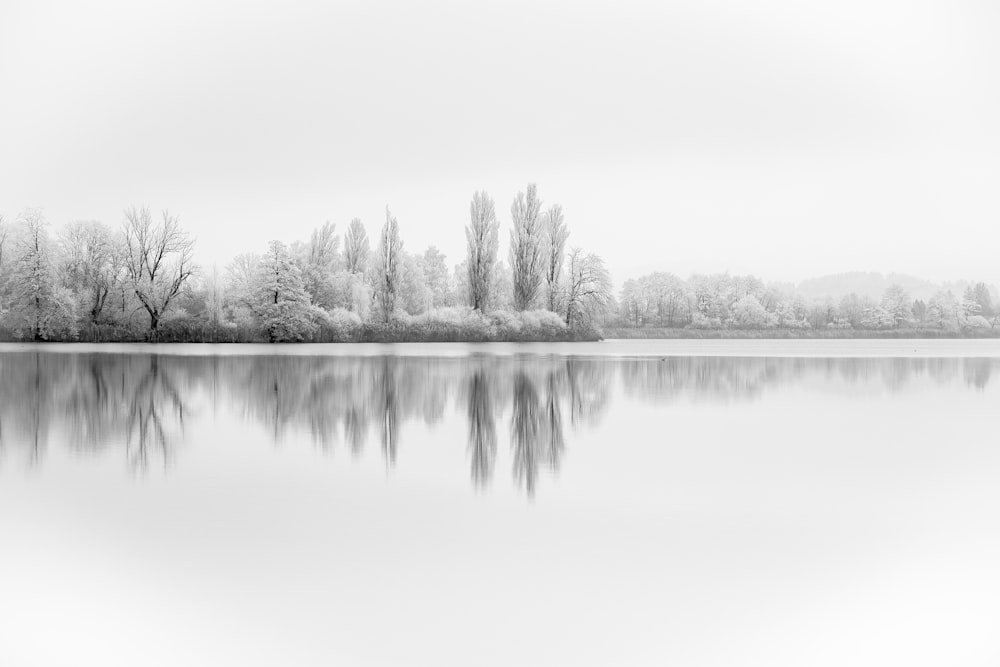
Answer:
x=625 y=333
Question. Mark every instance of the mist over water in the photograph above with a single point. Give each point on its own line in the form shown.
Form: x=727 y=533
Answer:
x=411 y=509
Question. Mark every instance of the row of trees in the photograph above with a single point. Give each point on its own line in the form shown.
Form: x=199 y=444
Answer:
x=142 y=275
x=746 y=302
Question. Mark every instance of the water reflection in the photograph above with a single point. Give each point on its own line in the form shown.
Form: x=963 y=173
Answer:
x=141 y=404
x=480 y=410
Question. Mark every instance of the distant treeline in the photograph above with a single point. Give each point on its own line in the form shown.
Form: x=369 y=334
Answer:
x=723 y=302
x=90 y=281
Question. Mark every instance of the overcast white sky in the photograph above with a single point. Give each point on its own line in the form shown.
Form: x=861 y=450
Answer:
x=784 y=138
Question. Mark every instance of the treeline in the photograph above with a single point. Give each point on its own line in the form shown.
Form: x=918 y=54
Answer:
x=723 y=301
x=139 y=281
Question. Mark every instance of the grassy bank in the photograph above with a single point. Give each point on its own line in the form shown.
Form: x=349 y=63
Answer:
x=654 y=332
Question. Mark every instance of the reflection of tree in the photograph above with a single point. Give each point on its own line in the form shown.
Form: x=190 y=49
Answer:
x=588 y=383
x=387 y=409
x=38 y=413
x=733 y=378
x=355 y=429
x=31 y=386
x=480 y=403
x=553 y=441
x=93 y=402
x=977 y=372
x=154 y=400
x=525 y=431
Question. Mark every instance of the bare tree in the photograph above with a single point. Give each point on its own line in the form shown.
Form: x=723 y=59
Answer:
x=388 y=276
x=526 y=252
x=556 y=235
x=588 y=291
x=324 y=246
x=356 y=247
x=482 y=235
x=241 y=281
x=158 y=261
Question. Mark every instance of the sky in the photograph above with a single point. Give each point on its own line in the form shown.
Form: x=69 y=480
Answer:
x=788 y=139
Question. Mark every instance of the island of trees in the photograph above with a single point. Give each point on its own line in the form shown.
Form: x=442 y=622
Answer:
x=139 y=282
x=89 y=281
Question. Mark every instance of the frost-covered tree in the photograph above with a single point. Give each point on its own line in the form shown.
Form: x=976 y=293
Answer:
x=414 y=295
x=527 y=256
x=981 y=295
x=91 y=265
x=852 y=308
x=436 y=277
x=749 y=313
x=157 y=261
x=387 y=267
x=215 y=297
x=878 y=317
x=4 y=234
x=896 y=301
x=943 y=310
x=588 y=287
x=38 y=307
x=282 y=303
x=319 y=258
x=357 y=249
x=556 y=235
x=969 y=307
x=502 y=293
x=657 y=298
x=353 y=292
x=241 y=284
x=712 y=295
x=482 y=242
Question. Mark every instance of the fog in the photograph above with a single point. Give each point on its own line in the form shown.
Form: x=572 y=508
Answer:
x=781 y=138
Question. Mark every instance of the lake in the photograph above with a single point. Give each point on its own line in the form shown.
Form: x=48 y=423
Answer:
x=626 y=502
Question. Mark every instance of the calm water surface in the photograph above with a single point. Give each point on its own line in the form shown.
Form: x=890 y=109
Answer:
x=642 y=502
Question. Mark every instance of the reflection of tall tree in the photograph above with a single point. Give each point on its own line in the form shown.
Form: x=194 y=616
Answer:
x=355 y=429
x=387 y=408
x=482 y=427
x=525 y=428
x=154 y=400
x=589 y=384
x=977 y=372
x=554 y=442
x=28 y=384
x=96 y=400
x=39 y=410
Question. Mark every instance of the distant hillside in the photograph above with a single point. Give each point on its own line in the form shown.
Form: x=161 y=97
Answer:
x=874 y=284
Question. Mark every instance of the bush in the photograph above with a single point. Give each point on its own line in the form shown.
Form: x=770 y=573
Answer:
x=977 y=322
x=448 y=324
x=337 y=326
x=699 y=321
